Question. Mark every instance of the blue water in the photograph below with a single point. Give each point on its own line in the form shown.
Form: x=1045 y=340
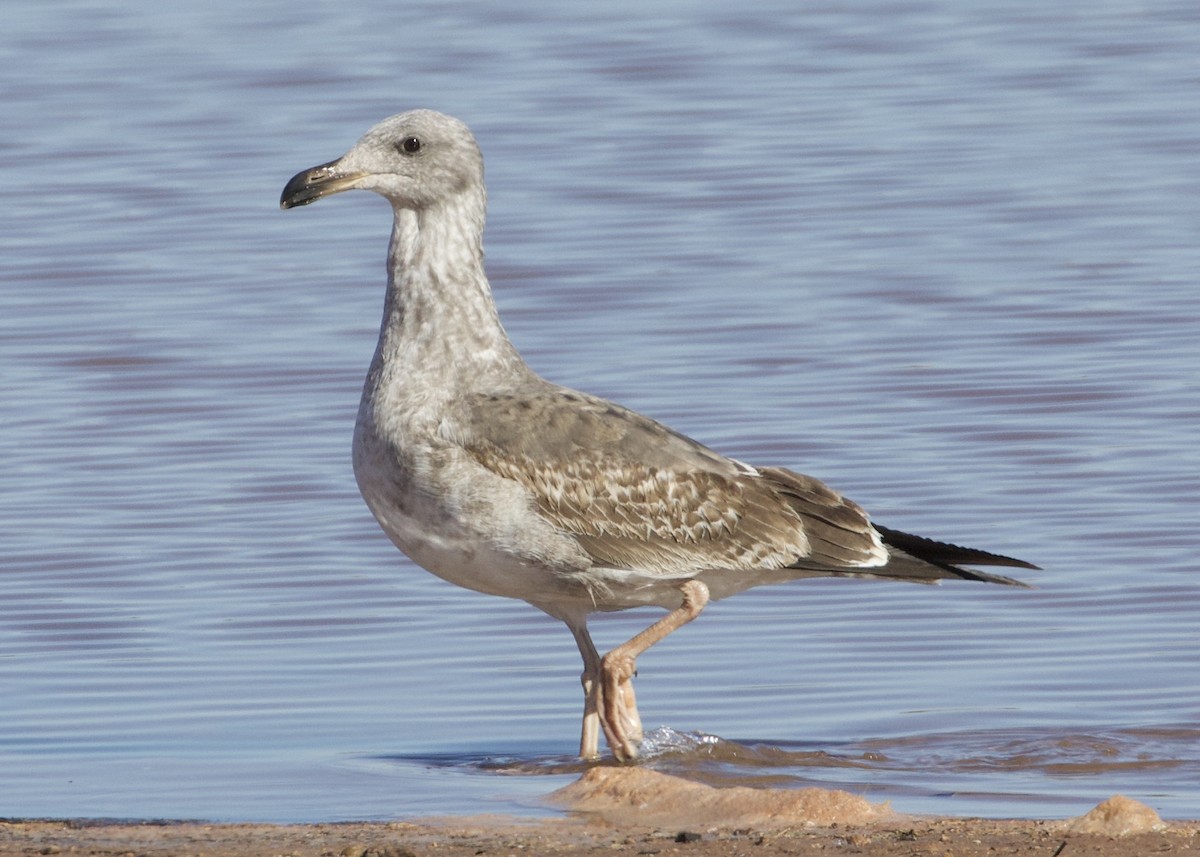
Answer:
x=942 y=255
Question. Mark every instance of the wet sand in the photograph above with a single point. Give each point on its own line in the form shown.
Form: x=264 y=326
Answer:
x=636 y=812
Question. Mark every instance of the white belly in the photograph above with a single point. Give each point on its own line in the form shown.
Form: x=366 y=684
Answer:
x=466 y=525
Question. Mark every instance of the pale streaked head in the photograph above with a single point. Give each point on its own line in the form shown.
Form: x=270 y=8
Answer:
x=415 y=159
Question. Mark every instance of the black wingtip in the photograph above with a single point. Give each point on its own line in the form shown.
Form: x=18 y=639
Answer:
x=946 y=554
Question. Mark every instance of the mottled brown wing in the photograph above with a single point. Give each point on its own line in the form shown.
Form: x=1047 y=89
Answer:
x=840 y=535
x=637 y=495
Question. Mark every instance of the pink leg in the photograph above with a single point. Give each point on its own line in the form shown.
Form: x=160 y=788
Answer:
x=618 y=707
x=589 y=739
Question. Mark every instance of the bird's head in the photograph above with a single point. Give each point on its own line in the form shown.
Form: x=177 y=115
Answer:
x=415 y=159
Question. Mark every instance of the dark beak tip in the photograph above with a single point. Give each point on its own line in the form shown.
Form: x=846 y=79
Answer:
x=307 y=186
x=298 y=191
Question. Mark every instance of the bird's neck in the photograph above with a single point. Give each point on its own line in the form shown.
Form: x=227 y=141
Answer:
x=439 y=315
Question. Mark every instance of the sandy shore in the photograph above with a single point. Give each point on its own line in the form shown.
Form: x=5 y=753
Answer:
x=636 y=812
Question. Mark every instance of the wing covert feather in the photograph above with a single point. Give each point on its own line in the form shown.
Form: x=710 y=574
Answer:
x=637 y=495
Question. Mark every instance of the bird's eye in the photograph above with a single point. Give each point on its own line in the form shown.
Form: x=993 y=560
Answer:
x=410 y=145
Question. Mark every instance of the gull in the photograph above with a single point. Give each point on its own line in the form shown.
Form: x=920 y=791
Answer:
x=497 y=480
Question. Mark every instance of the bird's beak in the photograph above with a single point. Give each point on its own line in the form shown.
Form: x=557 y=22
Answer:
x=310 y=185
